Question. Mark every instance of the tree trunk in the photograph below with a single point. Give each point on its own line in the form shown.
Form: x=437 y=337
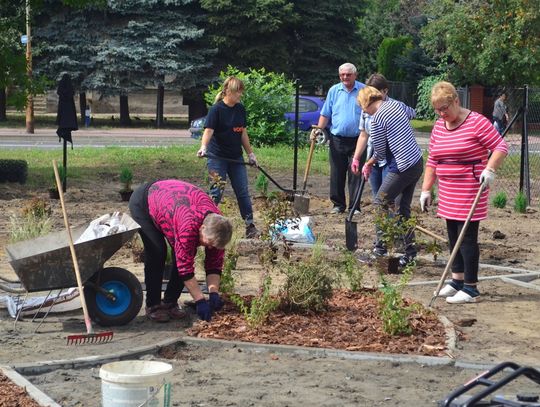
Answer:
x=3 y=101
x=194 y=98
x=125 y=120
x=82 y=106
x=159 y=108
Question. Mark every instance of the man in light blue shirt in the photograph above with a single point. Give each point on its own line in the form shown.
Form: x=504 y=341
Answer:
x=342 y=111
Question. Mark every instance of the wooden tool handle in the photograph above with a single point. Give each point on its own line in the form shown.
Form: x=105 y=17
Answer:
x=429 y=233
x=308 y=165
x=87 y=320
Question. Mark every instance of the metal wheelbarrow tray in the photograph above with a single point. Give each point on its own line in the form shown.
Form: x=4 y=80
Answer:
x=45 y=264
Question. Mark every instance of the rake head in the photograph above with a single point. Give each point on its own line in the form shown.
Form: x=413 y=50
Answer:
x=83 y=339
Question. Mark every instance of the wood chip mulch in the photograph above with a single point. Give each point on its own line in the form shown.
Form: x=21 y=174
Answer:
x=12 y=395
x=351 y=323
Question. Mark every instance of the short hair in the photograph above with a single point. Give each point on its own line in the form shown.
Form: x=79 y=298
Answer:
x=218 y=229
x=443 y=92
x=367 y=96
x=347 y=66
x=233 y=84
x=378 y=81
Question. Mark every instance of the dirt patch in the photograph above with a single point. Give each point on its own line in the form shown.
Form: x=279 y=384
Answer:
x=504 y=326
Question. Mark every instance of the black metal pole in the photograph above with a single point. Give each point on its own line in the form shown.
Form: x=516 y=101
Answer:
x=296 y=119
x=64 y=178
x=525 y=147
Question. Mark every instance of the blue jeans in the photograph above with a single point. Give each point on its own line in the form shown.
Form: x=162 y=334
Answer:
x=239 y=181
x=376 y=178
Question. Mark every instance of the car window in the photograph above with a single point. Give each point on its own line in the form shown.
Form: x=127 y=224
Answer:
x=306 y=105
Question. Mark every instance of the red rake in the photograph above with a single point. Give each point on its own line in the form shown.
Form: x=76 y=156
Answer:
x=90 y=336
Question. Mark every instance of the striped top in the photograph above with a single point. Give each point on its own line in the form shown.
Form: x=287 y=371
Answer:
x=178 y=210
x=459 y=156
x=393 y=137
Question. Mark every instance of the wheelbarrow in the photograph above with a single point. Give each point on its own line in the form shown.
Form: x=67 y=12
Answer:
x=114 y=295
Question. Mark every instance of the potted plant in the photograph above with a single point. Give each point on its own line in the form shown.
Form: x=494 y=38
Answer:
x=53 y=189
x=392 y=228
x=126 y=178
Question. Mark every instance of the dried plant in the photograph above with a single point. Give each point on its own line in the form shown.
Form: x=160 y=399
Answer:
x=33 y=221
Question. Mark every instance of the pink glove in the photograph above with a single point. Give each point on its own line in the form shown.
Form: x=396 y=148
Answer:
x=355 y=166
x=366 y=170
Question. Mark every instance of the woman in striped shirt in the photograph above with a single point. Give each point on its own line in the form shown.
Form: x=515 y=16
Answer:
x=393 y=141
x=458 y=159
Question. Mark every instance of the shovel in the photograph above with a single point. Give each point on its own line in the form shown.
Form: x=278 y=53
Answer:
x=301 y=202
x=458 y=244
x=289 y=192
x=351 y=232
x=90 y=336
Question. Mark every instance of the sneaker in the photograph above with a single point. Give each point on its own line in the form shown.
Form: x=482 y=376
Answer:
x=447 y=291
x=173 y=310
x=157 y=313
x=336 y=209
x=356 y=212
x=379 y=251
x=461 y=297
x=252 y=232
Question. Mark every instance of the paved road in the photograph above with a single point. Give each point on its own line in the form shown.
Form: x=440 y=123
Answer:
x=47 y=138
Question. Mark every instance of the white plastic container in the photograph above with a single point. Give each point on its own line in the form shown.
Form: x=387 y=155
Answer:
x=133 y=383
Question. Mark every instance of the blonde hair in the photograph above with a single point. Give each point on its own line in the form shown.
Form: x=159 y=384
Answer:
x=443 y=92
x=218 y=229
x=233 y=84
x=367 y=96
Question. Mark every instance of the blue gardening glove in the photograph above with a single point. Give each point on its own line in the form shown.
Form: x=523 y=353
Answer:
x=203 y=310
x=216 y=303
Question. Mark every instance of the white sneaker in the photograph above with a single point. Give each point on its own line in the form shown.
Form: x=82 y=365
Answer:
x=447 y=291
x=462 y=297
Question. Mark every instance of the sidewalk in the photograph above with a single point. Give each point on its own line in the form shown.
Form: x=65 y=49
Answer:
x=92 y=137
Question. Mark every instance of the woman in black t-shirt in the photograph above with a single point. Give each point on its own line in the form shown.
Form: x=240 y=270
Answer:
x=225 y=134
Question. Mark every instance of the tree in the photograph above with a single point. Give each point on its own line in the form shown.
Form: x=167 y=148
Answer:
x=486 y=42
x=388 y=57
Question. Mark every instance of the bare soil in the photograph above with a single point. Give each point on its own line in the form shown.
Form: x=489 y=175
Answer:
x=503 y=326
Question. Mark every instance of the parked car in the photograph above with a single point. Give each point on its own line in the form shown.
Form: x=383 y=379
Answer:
x=309 y=108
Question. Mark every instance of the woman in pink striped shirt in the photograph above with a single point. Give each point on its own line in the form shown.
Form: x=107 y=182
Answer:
x=459 y=160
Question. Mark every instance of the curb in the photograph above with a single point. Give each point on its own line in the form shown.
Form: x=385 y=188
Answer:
x=33 y=392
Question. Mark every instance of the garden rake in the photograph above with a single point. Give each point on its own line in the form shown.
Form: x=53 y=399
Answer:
x=90 y=336
x=458 y=244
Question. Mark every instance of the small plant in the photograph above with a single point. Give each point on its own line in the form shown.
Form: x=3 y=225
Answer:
x=261 y=185
x=392 y=229
x=434 y=248
x=499 y=200
x=520 y=202
x=257 y=311
x=393 y=311
x=352 y=270
x=126 y=179
x=61 y=175
x=34 y=221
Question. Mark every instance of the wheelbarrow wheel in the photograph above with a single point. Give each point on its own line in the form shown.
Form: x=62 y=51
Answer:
x=124 y=303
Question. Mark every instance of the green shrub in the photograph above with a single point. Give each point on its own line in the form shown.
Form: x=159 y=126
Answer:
x=13 y=171
x=390 y=50
x=424 y=110
x=61 y=175
x=261 y=185
x=353 y=271
x=267 y=97
x=520 y=202
x=499 y=200
x=126 y=178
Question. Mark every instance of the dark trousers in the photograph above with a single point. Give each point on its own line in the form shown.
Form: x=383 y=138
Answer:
x=468 y=256
x=392 y=186
x=155 y=252
x=341 y=155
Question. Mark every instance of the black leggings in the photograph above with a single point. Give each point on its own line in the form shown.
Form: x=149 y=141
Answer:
x=468 y=256
x=155 y=252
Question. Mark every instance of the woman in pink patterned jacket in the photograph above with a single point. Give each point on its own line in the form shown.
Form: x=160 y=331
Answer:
x=186 y=217
x=459 y=160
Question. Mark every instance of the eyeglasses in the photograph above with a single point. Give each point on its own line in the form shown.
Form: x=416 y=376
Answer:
x=442 y=109
x=345 y=74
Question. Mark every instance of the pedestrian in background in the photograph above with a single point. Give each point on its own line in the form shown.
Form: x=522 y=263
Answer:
x=225 y=133
x=343 y=113
x=186 y=217
x=393 y=141
x=459 y=161
x=500 y=113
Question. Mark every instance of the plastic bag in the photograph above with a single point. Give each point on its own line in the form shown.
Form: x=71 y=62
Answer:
x=297 y=230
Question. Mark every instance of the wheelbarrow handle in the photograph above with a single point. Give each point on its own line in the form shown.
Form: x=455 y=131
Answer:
x=242 y=162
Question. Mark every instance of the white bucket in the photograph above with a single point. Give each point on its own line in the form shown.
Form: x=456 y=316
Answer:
x=134 y=383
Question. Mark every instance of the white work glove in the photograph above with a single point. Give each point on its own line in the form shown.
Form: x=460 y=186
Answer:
x=487 y=177
x=314 y=133
x=252 y=159
x=425 y=200
x=202 y=152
